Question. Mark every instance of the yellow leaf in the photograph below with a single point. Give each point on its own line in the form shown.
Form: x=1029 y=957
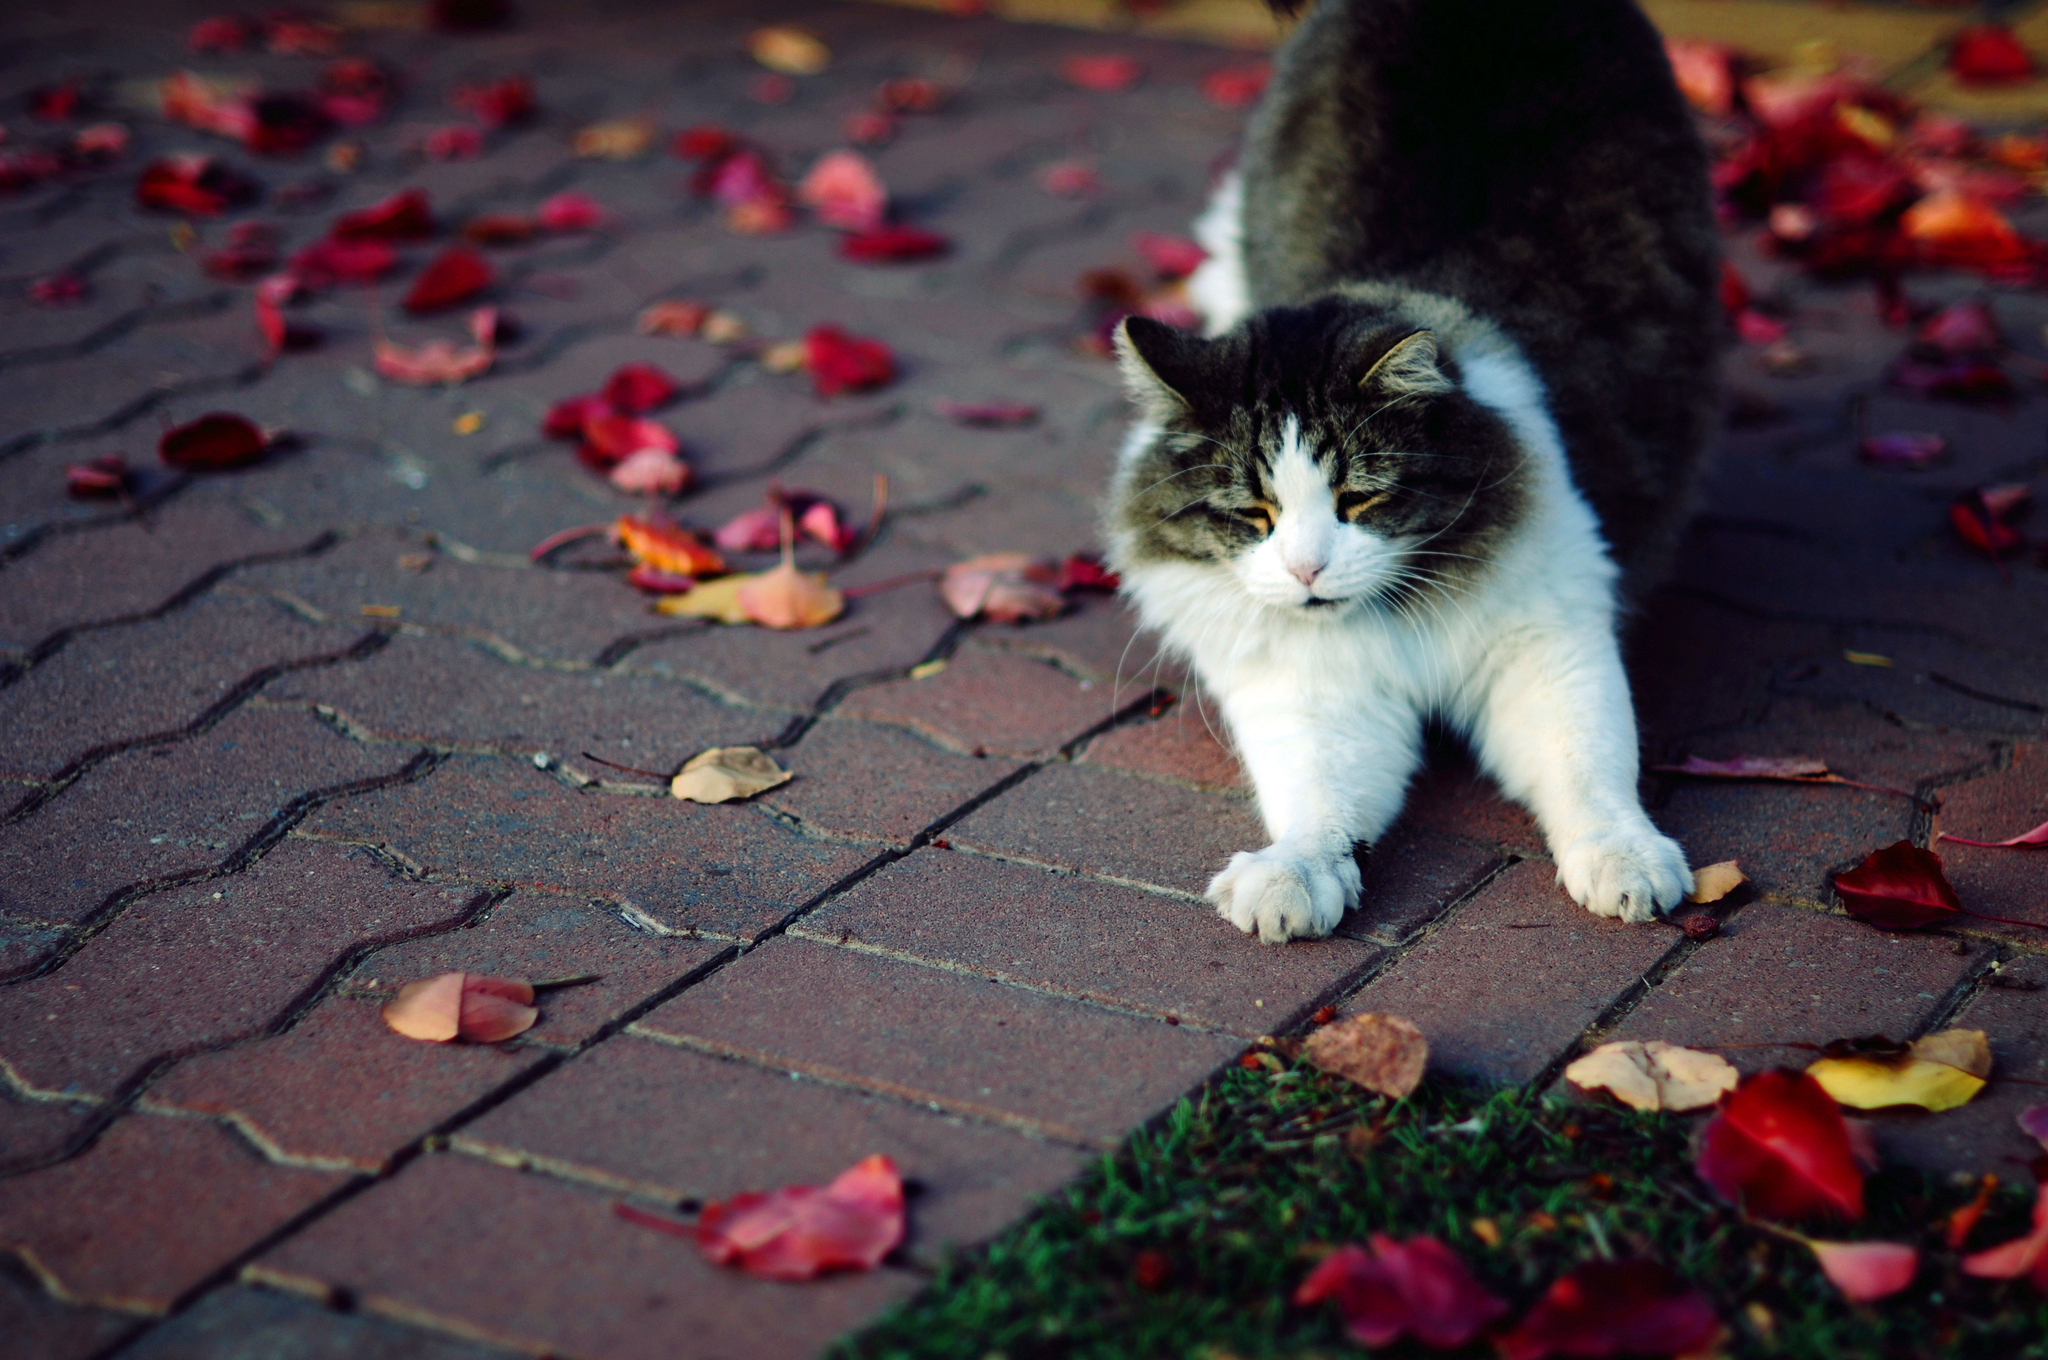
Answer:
x=718 y=600
x=788 y=598
x=469 y=422
x=789 y=50
x=1715 y=882
x=623 y=139
x=1939 y=1072
x=1969 y=1049
x=726 y=773
x=1867 y=659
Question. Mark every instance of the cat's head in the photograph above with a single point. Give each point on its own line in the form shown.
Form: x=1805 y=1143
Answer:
x=1324 y=456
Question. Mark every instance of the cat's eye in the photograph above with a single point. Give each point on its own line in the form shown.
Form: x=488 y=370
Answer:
x=1352 y=504
x=1258 y=516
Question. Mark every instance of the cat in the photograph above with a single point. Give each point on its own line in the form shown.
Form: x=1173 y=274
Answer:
x=1443 y=428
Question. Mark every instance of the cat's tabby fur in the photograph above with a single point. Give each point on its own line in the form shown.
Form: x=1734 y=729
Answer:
x=1463 y=297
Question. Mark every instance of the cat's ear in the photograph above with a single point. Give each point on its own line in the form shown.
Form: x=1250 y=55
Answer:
x=1161 y=364
x=1408 y=369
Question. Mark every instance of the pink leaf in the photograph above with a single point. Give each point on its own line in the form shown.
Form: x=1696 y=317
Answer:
x=329 y=261
x=1751 y=767
x=570 y=211
x=102 y=478
x=844 y=191
x=751 y=531
x=1003 y=587
x=1418 y=1287
x=650 y=472
x=453 y=143
x=1865 y=1271
x=2038 y=836
x=1171 y=257
x=802 y=1231
x=1237 y=87
x=1069 y=179
x=439 y=361
x=1103 y=74
x=2023 y=1256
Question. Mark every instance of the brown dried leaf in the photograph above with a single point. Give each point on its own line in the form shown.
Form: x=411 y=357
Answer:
x=726 y=773
x=1654 y=1075
x=1382 y=1053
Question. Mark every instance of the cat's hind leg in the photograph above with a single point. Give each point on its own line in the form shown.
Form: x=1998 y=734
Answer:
x=1328 y=774
x=1218 y=287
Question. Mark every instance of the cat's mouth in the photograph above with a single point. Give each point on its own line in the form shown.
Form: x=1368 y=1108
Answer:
x=1318 y=601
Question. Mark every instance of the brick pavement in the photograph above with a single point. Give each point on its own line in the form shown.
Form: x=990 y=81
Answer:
x=240 y=808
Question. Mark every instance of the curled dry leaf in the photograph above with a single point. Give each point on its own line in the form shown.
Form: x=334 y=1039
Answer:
x=1654 y=1075
x=1900 y=887
x=212 y=443
x=1715 y=881
x=665 y=547
x=802 y=1231
x=472 y=1006
x=1415 y=1288
x=1937 y=1072
x=1382 y=1053
x=1615 y=1308
x=1867 y=1271
x=1004 y=587
x=440 y=361
x=1781 y=1149
x=2023 y=1257
x=789 y=50
x=844 y=191
x=727 y=773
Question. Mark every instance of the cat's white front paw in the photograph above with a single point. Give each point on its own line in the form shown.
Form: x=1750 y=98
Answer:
x=1284 y=895
x=1634 y=873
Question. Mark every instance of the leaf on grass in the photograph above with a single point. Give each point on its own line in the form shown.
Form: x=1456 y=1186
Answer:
x=1716 y=881
x=1382 y=1053
x=1938 y=1072
x=1900 y=887
x=212 y=443
x=1617 y=1308
x=456 y=275
x=727 y=773
x=802 y=1231
x=789 y=50
x=1781 y=1149
x=622 y=139
x=472 y=1006
x=2038 y=836
x=405 y=216
x=1003 y=587
x=1103 y=74
x=715 y=600
x=666 y=547
x=839 y=362
x=1414 y=1288
x=440 y=361
x=893 y=245
x=1654 y=1075
x=2023 y=1256
x=844 y=191
x=1866 y=1271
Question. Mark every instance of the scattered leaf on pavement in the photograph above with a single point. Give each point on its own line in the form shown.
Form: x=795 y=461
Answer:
x=800 y=1231
x=1715 y=881
x=844 y=191
x=1905 y=449
x=1614 y=1308
x=1937 y=1072
x=570 y=211
x=789 y=50
x=1414 y=1288
x=441 y=361
x=456 y=275
x=1382 y=1053
x=786 y=597
x=1780 y=1148
x=1003 y=587
x=2037 y=836
x=892 y=245
x=665 y=547
x=472 y=1006
x=672 y=318
x=212 y=443
x=405 y=216
x=1988 y=54
x=636 y=389
x=1981 y=518
x=727 y=773
x=1106 y=74
x=717 y=600
x=1900 y=887
x=1654 y=1075
x=104 y=478
x=622 y=139
x=839 y=362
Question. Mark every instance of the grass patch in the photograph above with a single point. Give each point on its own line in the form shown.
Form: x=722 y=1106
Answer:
x=1190 y=1240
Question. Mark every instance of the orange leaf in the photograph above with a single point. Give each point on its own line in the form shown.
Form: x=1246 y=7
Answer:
x=1864 y=1271
x=800 y=1231
x=472 y=1006
x=1005 y=587
x=788 y=598
x=2026 y=1256
x=666 y=547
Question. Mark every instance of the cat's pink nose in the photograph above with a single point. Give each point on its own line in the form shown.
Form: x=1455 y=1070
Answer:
x=1307 y=575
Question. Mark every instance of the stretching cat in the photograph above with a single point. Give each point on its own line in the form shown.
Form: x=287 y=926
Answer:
x=1463 y=294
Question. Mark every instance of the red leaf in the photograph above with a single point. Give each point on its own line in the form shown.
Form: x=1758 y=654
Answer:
x=1069 y=179
x=196 y=185
x=1866 y=1271
x=2023 y=1256
x=251 y=249
x=456 y=275
x=744 y=177
x=705 y=143
x=1855 y=189
x=97 y=479
x=1418 y=1287
x=801 y=1231
x=1964 y=329
x=892 y=245
x=283 y=124
x=1171 y=257
x=498 y=104
x=1979 y=517
x=566 y=419
x=571 y=211
x=221 y=33
x=1988 y=54
x=294 y=35
x=58 y=290
x=1237 y=87
x=353 y=92
x=610 y=439
x=1608 y=1308
x=636 y=389
x=1900 y=887
x=2038 y=836
x=868 y=129
x=405 y=216
x=1908 y=449
x=1103 y=74
x=655 y=581
x=327 y=262
x=270 y=320
x=839 y=362
x=664 y=546
x=987 y=413
x=498 y=229
x=1780 y=1148
x=910 y=95
x=212 y=443
x=54 y=103
x=1084 y=571
x=454 y=143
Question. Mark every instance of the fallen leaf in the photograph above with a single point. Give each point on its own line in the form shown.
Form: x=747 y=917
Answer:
x=1414 y=1288
x=802 y=1231
x=868 y=128
x=1605 y=1308
x=760 y=217
x=655 y=581
x=785 y=357
x=1103 y=74
x=723 y=328
x=1084 y=571
x=1964 y=1220
x=1237 y=87
x=1069 y=179
x=987 y=413
x=2038 y=836
x=405 y=216
x=622 y=139
x=1780 y=1149
x=758 y=530
x=672 y=318
x=839 y=362
x=1003 y=587
x=2034 y=1121
x=727 y=773
x=844 y=191
x=1751 y=767
x=1715 y=881
x=1900 y=887
x=456 y=143
x=498 y=229
x=1938 y=1072
x=250 y=249
x=570 y=211
x=566 y=418
x=893 y=245
x=327 y=262
x=788 y=598
x=1382 y=1053
x=650 y=472
x=1654 y=1075
x=500 y=103
x=456 y=275
x=1866 y=1271
x=636 y=389
x=1988 y=54
x=221 y=33
x=58 y=290
x=212 y=443
x=716 y=600
x=439 y=361
x=295 y=35
x=1907 y=449
x=104 y=478
x=353 y=92
x=472 y=1006
x=1951 y=227
x=198 y=186
x=2023 y=1256
x=665 y=547
x=789 y=50
x=1979 y=518
x=609 y=439
x=223 y=107
x=1171 y=257
x=1965 y=329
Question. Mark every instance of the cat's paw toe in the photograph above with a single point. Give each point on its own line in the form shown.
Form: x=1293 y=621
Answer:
x=1632 y=875
x=1282 y=897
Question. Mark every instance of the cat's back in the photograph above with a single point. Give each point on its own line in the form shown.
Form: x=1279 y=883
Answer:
x=1535 y=161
